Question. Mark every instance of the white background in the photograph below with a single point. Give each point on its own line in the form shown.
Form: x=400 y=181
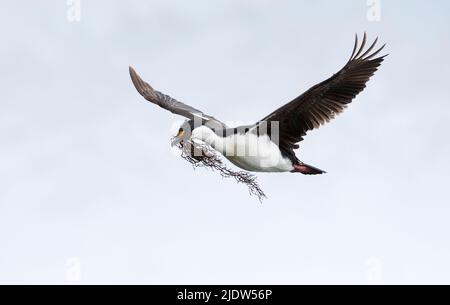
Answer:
x=88 y=181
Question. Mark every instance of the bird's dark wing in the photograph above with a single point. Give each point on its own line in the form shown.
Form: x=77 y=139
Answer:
x=166 y=101
x=324 y=101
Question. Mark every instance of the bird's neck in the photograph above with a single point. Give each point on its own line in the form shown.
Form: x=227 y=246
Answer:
x=208 y=136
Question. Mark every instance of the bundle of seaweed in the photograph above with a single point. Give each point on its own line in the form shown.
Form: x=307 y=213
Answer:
x=203 y=155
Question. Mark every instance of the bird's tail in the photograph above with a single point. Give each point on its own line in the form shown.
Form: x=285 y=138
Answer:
x=306 y=169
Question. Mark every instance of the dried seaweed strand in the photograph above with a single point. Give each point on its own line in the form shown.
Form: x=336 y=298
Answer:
x=202 y=155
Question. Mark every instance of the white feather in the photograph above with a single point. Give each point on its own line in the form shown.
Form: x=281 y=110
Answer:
x=247 y=151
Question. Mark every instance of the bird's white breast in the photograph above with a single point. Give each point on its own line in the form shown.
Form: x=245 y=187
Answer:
x=247 y=151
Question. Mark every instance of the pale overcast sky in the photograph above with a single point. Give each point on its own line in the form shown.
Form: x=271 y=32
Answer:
x=91 y=191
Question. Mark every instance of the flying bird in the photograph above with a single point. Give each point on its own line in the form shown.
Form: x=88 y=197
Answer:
x=269 y=144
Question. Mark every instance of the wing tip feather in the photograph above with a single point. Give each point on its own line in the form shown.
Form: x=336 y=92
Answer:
x=358 y=53
x=141 y=86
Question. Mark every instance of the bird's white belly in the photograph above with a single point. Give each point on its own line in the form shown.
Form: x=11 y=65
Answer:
x=250 y=152
x=256 y=164
x=257 y=154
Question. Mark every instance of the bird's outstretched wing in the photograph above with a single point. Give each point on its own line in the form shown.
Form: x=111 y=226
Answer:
x=324 y=101
x=166 y=101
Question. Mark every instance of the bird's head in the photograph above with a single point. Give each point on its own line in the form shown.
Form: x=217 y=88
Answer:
x=184 y=133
